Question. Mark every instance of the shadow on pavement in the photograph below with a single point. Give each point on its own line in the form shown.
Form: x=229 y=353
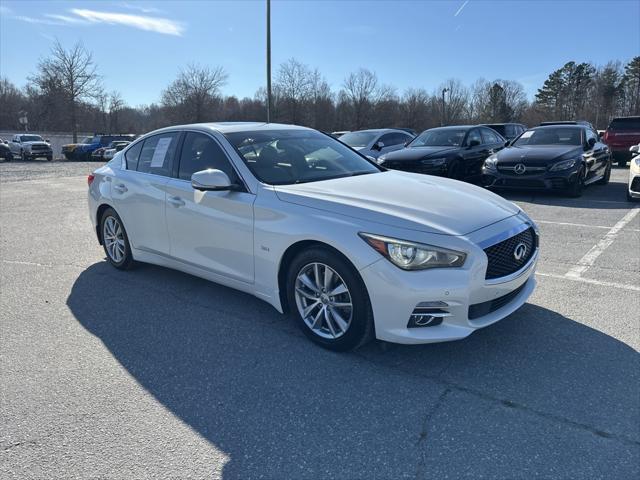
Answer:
x=536 y=393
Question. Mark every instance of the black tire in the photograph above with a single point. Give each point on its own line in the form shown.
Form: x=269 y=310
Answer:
x=622 y=161
x=361 y=328
x=23 y=156
x=49 y=158
x=576 y=188
x=455 y=170
x=607 y=175
x=127 y=260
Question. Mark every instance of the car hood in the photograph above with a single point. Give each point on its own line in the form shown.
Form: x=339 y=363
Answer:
x=404 y=200
x=538 y=154
x=417 y=153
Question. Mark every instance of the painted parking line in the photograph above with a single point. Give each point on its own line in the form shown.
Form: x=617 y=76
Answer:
x=592 y=255
x=603 y=227
x=622 y=286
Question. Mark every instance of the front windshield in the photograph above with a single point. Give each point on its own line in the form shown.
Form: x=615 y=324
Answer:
x=284 y=157
x=550 y=136
x=31 y=138
x=440 y=137
x=358 y=139
x=87 y=140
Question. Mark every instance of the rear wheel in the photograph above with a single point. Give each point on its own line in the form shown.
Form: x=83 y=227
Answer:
x=329 y=300
x=607 y=175
x=115 y=240
x=455 y=170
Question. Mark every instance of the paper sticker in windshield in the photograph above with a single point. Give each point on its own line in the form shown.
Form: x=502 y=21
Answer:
x=527 y=134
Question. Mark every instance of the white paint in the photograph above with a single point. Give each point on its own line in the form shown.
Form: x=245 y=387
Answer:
x=592 y=255
x=591 y=281
x=603 y=227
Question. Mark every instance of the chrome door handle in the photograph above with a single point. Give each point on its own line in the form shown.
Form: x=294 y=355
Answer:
x=120 y=188
x=176 y=201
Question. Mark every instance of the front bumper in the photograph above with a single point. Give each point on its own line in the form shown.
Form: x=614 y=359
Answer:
x=535 y=181
x=633 y=186
x=39 y=154
x=468 y=300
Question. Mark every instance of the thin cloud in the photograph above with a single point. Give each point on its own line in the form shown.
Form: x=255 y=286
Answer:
x=461 y=8
x=66 y=18
x=141 y=8
x=153 y=24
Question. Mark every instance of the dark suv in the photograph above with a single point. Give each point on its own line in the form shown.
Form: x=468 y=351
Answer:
x=622 y=133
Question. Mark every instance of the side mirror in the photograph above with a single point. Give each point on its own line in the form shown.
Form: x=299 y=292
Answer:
x=474 y=143
x=48 y=141
x=212 y=180
x=379 y=145
x=634 y=148
x=591 y=142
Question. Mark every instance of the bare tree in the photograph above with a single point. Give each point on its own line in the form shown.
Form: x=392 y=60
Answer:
x=456 y=101
x=192 y=95
x=116 y=104
x=361 y=93
x=293 y=85
x=71 y=73
x=12 y=101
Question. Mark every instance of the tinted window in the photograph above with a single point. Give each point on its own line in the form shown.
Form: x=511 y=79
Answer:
x=474 y=135
x=501 y=129
x=157 y=154
x=297 y=156
x=388 y=139
x=358 y=139
x=490 y=136
x=591 y=134
x=440 y=137
x=630 y=123
x=398 y=138
x=200 y=152
x=131 y=156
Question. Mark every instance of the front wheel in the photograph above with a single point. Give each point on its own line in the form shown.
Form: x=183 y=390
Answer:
x=115 y=240
x=576 y=188
x=23 y=155
x=329 y=300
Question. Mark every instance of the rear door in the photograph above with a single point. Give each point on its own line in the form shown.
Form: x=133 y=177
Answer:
x=474 y=156
x=139 y=191
x=211 y=230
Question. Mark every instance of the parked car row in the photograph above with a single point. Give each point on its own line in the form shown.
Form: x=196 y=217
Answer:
x=106 y=153
x=27 y=146
x=85 y=149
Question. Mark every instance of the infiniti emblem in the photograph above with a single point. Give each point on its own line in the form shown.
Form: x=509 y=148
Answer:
x=520 y=251
x=520 y=168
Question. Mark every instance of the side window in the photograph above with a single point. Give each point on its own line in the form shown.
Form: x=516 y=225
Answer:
x=387 y=139
x=131 y=156
x=200 y=152
x=474 y=135
x=510 y=131
x=157 y=154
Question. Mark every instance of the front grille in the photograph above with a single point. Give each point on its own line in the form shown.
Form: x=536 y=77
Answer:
x=635 y=184
x=39 y=148
x=478 y=310
x=502 y=256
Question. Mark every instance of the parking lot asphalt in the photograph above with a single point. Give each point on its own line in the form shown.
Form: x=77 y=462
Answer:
x=153 y=373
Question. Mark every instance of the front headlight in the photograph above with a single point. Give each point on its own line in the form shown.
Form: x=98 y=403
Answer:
x=491 y=163
x=434 y=162
x=414 y=256
x=564 y=165
x=637 y=161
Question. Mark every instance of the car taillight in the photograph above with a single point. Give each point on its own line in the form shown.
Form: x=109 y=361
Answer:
x=90 y=179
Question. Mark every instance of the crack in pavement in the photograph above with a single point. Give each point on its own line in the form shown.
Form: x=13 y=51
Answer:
x=425 y=428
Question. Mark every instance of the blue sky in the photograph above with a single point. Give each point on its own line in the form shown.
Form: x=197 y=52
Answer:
x=140 y=46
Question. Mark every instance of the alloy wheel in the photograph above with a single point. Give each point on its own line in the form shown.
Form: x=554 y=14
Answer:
x=113 y=237
x=323 y=300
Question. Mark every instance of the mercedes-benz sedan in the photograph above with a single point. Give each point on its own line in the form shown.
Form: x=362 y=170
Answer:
x=307 y=224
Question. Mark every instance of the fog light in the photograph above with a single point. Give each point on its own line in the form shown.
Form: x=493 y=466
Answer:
x=428 y=314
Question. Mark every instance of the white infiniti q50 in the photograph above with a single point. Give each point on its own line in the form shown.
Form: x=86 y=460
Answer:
x=303 y=222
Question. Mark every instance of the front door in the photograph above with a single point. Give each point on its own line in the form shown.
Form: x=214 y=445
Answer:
x=211 y=230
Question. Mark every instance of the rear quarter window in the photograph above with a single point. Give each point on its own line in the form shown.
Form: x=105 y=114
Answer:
x=131 y=156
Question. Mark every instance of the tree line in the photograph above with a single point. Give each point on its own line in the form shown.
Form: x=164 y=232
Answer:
x=66 y=93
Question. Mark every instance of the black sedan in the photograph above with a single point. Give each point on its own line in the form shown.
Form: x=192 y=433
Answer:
x=555 y=157
x=455 y=152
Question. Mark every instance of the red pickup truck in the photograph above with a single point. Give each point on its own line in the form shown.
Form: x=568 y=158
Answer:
x=622 y=133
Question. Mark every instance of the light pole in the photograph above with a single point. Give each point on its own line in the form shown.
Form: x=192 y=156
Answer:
x=268 y=61
x=444 y=90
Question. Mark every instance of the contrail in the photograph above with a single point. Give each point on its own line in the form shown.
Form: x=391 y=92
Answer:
x=461 y=8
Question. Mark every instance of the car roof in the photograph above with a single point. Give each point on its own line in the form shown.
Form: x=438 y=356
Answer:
x=560 y=125
x=379 y=130
x=496 y=124
x=449 y=127
x=232 y=127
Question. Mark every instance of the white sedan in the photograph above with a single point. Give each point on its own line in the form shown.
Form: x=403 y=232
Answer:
x=633 y=189
x=303 y=222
